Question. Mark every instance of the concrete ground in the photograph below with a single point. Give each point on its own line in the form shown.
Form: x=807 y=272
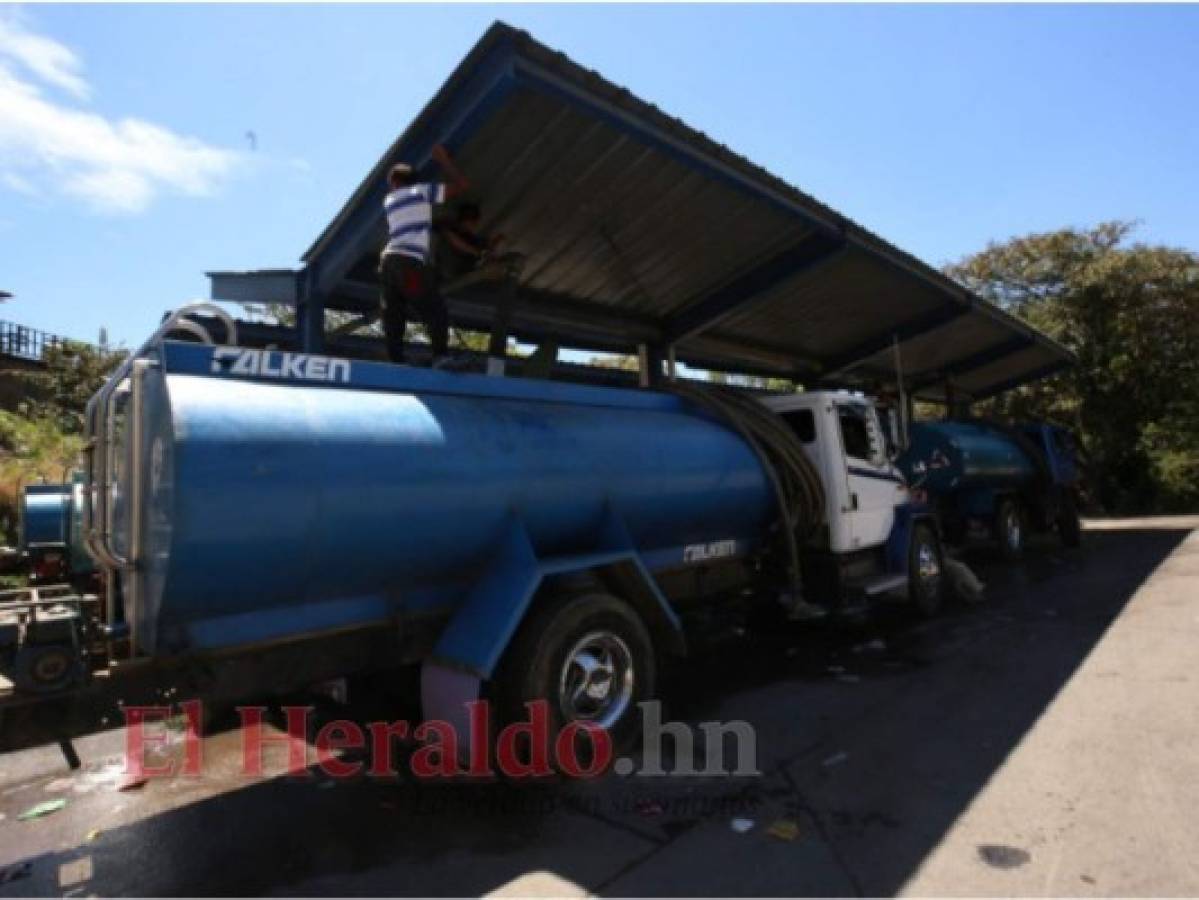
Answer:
x=1042 y=743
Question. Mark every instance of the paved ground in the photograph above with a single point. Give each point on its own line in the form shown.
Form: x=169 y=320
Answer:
x=1043 y=743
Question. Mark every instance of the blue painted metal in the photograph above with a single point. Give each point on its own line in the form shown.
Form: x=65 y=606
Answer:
x=875 y=474
x=978 y=360
x=310 y=313
x=899 y=541
x=1036 y=374
x=1058 y=448
x=960 y=455
x=278 y=506
x=904 y=331
x=969 y=467
x=484 y=624
x=814 y=250
x=344 y=242
x=50 y=519
x=44 y=516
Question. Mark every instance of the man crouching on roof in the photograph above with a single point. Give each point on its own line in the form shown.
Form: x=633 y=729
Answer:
x=406 y=278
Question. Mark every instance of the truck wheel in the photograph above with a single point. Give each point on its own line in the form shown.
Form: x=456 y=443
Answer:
x=46 y=668
x=926 y=586
x=1068 y=525
x=590 y=658
x=1009 y=530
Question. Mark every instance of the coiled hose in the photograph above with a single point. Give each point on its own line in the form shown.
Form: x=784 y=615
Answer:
x=797 y=487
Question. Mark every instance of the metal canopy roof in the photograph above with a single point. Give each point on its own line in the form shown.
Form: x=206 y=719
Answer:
x=638 y=229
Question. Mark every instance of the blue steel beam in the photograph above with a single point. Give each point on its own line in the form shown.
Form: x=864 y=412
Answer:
x=261 y=286
x=815 y=250
x=1026 y=378
x=310 y=312
x=978 y=360
x=361 y=232
x=904 y=331
x=493 y=80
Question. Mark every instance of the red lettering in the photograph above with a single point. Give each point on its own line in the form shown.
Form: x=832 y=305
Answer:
x=438 y=757
x=339 y=735
x=253 y=739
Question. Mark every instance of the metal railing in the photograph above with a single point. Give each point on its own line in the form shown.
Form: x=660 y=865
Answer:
x=100 y=452
x=29 y=344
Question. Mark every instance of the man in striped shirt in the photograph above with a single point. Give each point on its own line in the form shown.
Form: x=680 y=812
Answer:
x=406 y=276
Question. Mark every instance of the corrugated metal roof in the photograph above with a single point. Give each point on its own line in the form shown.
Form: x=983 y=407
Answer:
x=639 y=229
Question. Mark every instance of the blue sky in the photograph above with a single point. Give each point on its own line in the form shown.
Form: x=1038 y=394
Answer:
x=126 y=171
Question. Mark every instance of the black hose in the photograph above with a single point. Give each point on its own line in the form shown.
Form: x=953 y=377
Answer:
x=797 y=487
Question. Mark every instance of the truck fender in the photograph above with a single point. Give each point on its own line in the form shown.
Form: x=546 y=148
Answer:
x=907 y=516
x=470 y=647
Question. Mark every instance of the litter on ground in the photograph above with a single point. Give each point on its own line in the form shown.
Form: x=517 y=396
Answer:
x=784 y=829
x=132 y=782
x=741 y=826
x=45 y=808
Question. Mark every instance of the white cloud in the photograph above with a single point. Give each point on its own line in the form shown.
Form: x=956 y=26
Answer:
x=113 y=165
x=52 y=62
x=15 y=182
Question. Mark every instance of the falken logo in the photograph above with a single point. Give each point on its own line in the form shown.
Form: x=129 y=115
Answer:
x=694 y=553
x=279 y=364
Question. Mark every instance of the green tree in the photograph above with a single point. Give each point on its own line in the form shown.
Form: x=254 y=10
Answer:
x=1130 y=312
x=59 y=392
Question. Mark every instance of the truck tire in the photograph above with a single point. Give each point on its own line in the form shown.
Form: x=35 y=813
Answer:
x=46 y=668
x=590 y=657
x=1069 y=527
x=926 y=568
x=1010 y=529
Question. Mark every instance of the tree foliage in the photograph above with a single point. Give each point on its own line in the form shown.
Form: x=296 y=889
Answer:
x=59 y=392
x=1130 y=312
x=41 y=435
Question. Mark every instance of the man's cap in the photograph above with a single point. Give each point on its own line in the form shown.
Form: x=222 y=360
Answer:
x=399 y=170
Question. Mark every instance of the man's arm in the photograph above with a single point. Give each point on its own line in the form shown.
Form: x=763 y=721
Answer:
x=459 y=244
x=456 y=181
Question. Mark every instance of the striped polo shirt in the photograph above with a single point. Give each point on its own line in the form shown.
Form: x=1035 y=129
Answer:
x=410 y=219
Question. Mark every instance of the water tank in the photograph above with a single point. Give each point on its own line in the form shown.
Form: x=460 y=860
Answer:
x=273 y=510
x=45 y=509
x=949 y=455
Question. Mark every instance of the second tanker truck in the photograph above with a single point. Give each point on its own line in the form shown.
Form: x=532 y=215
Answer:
x=998 y=481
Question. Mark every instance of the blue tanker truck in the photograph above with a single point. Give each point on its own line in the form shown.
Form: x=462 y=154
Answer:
x=269 y=519
x=988 y=479
x=42 y=530
x=50 y=534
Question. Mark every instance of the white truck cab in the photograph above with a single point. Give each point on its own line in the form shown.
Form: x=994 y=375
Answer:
x=841 y=433
x=877 y=540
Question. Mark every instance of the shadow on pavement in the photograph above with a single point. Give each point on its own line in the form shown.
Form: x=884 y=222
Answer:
x=872 y=739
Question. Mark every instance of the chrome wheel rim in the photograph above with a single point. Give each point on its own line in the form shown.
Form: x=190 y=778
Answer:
x=928 y=567
x=1014 y=536
x=597 y=679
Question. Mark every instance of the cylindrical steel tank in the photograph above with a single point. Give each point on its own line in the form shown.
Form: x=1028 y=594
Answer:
x=945 y=456
x=45 y=509
x=273 y=510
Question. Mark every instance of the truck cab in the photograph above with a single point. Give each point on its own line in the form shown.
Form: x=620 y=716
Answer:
x=873 y=527
x=843 y=438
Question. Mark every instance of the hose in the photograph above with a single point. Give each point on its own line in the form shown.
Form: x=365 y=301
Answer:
x=798 y=490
